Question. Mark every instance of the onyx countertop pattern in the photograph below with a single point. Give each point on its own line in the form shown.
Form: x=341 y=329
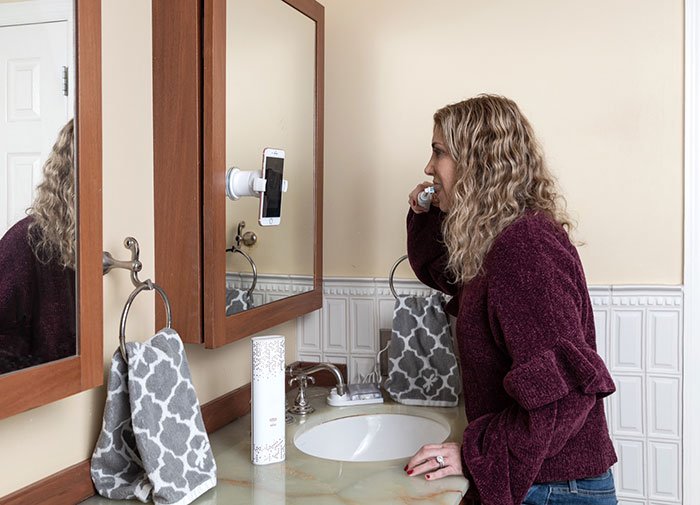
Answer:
x=306 y=480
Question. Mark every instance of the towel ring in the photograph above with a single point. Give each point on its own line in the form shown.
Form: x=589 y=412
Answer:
x=234 y=250
x=391 y=275
x=145 y=285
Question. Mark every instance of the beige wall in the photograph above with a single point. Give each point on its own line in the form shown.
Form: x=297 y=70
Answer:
x=601 y=82
x=48 y=439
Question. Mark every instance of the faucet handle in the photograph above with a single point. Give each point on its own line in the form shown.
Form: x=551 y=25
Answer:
x=302 y=380
x=301 y=403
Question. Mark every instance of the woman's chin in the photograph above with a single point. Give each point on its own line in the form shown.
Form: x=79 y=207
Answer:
x=440 y=204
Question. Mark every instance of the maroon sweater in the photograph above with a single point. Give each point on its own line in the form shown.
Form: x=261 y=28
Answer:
x=37 y=305
x=532 y=379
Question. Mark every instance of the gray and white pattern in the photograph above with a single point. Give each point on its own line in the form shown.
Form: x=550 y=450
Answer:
x=423 y=369
x=153 y=444
x=237 y=300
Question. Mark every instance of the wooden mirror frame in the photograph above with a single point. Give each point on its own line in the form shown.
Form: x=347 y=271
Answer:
x=26 y=389
x=218 y=328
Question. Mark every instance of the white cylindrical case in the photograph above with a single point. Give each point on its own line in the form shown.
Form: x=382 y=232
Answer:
x=267 y=400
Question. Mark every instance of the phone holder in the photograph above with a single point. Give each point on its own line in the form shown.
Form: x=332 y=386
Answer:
x=246 y=183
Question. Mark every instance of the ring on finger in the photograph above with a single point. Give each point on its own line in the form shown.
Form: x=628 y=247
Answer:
x=440 y=461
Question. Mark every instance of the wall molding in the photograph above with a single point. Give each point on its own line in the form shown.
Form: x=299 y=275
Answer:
x=67 y=487
x=691 y=256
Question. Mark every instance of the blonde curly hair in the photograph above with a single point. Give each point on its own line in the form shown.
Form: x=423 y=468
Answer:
x=52 y=231
x=500 y=173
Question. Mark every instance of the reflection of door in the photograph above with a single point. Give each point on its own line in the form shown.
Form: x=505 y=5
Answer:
x=33 y=108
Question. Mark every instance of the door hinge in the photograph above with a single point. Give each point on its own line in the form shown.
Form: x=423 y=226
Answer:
x=65 y=81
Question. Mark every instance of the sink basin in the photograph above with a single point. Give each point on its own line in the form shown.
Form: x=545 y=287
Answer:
x=371 y=437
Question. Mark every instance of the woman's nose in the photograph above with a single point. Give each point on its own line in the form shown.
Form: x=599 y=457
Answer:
x=428 y=169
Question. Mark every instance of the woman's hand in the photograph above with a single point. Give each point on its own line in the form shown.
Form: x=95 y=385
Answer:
x=425 y=461
x=413 y=198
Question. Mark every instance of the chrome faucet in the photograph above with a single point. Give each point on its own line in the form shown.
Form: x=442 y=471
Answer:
x=301 y=377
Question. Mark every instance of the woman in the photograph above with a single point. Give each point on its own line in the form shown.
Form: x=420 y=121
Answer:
x=37 y=269
x=496 y=238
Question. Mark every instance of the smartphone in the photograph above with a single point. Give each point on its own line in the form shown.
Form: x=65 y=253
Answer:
x=271 y=199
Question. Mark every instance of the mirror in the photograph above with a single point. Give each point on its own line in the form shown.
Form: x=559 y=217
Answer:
x=37 y=192
x=270 y=103
x=290 y=254
x=50 y=163
x=271 y=96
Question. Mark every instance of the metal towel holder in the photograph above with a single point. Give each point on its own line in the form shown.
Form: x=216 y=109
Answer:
x=248 y=238
x=134 y=265
x=234 y=250
x=391 y=275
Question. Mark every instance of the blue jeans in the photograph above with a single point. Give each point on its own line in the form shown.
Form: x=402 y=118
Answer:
x=598 y=490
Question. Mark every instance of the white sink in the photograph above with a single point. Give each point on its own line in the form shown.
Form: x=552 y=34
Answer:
x=371 y=437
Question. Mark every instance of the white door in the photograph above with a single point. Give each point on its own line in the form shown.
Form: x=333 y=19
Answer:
x=33 y=108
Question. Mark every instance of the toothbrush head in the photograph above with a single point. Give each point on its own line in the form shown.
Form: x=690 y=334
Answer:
x=425 y=197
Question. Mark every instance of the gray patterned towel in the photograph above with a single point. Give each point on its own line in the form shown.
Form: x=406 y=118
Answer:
x=423 y=369
x=153 y=444
x=237 y=300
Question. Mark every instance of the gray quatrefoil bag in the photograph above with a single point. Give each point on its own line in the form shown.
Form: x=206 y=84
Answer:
x=153 y=445
x=423 y=369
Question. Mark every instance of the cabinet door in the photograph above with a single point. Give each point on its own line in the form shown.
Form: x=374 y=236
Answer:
x=177 y=162
x=191 y=86
x=262 y=87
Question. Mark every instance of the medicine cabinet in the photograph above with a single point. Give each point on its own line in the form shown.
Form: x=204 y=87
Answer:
x=54 y=74
x=230 y=78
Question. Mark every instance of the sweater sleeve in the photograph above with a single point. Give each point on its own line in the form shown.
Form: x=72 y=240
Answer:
x=556 y=377
x=15 y=300
x=426 y=252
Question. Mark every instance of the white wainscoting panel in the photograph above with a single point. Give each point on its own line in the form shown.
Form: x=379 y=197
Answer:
x=601 y=318
x=664 y=462
x=628 y=338
x=638 y=334
x=363 y=326
x=628 y=406
x=310 y=357
x=601 y=301
x=664 y=353
x=663 y=401
x=335 y=336
x=309 y=332
x=630 y=475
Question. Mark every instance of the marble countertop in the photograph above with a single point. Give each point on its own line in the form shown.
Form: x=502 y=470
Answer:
x=303 y=479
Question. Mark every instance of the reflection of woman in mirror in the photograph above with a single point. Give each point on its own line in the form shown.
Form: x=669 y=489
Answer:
x=37 y=269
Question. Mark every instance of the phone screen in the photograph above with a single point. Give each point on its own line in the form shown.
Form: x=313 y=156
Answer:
x=272 y=199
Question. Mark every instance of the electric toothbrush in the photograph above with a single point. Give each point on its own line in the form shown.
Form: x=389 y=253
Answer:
x=426 y=196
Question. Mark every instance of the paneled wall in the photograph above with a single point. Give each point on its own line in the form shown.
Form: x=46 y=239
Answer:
x=639 y=335
x=641 y=331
